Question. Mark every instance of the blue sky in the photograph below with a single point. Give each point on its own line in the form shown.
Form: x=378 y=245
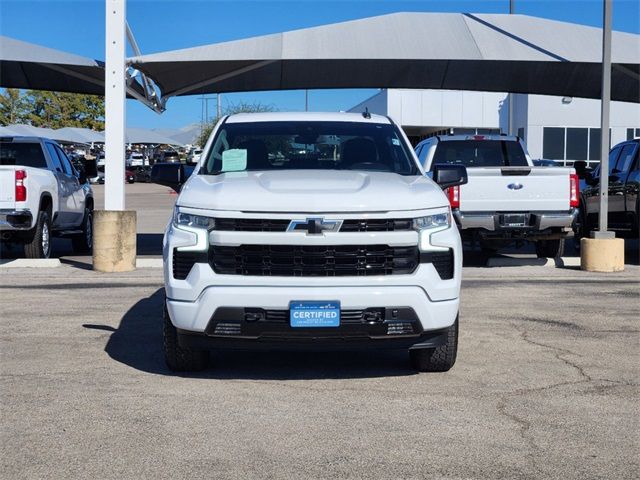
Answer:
x=77 y=26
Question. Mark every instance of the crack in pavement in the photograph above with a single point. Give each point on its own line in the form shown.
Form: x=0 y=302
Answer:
x=523 y=424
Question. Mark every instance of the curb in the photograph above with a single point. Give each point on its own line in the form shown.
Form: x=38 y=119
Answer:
x=30 y=263
x=533 y=262
x=149 y=263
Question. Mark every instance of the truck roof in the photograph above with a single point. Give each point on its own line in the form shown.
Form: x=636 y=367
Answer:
x=507 y=138
x=22 y=139
x=306 y=116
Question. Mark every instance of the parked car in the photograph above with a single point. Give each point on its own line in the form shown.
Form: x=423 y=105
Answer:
x=42 y=196
x=141 y=174
x=348 y=244
x=507 y=198
x=194 y=155
x=135 y=159
x=169 y=156
x=129 y=176
x=624 y=184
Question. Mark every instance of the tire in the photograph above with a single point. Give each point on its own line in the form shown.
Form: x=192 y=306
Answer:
x=439 y=359
x=39 y=245
x=83 y=243
x=177 y=358
x=550 y=248
x=581 y=230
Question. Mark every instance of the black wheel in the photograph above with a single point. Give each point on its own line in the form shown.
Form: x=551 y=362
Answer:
x=83 y=242
x=39 y=245
x=581 y=230
x=550 y=248
x=439 y=359
x=177 y=358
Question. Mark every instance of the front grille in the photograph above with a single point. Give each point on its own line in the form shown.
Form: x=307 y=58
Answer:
x=377 y=225
x=313 y=261
x=183 y=262
x=251 y=225
x=442 y=261
x=281 y=225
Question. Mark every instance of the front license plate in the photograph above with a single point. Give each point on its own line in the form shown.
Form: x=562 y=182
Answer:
x=314 y=314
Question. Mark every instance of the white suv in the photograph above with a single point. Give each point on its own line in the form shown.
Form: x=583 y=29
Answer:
x=310 y=230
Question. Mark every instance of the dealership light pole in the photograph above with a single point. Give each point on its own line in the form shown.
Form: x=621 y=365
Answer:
x=604 y=124
x=603 y=252
x=510 y=111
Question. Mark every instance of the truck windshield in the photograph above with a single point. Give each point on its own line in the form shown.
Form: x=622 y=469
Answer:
x=24 y=154
x=480 y=153
x=307 y=145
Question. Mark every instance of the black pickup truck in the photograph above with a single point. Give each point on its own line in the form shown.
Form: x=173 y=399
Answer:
x=624 y=183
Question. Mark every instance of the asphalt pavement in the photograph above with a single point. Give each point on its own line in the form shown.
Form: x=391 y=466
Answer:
x=545 y=386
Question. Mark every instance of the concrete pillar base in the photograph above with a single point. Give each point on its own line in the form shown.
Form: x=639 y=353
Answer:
x=114 y=241
x=602 y=255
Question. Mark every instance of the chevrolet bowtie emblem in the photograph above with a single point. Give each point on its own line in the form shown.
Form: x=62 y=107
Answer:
x=314 y=226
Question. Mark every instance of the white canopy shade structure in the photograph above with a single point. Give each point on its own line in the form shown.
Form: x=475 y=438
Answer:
x=27 y=131
x=507 y=53
x=78 y=135
x=145 y=136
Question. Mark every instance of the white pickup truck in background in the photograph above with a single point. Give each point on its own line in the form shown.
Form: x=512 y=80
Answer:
x=507 y=198
x=42 y=196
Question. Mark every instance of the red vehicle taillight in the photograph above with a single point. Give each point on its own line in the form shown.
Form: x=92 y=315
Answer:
x=21 y=189
x=574 y=190
x=453 y=193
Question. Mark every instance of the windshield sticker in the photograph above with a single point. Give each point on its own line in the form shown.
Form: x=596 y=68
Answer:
x=395 y=141
x=234 y=160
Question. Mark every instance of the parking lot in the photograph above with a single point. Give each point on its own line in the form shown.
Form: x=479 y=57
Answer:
x=545 y=384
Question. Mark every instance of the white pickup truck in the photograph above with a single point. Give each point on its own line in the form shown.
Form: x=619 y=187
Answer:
x=310 y=230
x=42 y=196
x=507 y=199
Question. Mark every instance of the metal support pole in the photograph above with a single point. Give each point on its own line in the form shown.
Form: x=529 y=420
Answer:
x=115 y=87
x=510 y=95
x=604 y=123
x=218 y=106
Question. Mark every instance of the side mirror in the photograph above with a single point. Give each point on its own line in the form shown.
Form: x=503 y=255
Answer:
x=168 y=174
x=449 y=175
x=90 y=168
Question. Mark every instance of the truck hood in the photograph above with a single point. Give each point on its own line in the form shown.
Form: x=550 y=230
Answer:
x=311 y=191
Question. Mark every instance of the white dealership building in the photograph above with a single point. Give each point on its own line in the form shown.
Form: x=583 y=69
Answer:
x=564 y=129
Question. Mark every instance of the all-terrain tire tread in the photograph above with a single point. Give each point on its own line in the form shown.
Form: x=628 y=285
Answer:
x=177 y=358
x=439 y=359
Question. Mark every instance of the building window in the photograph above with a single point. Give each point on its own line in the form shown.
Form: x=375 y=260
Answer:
x=594 y=144
x=577 y=143
x=553 y=143
x=631 y=133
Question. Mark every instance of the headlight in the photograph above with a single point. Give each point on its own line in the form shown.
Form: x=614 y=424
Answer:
x=183 y=219
x=430 y=224
x=198 y=225
x=432 y=221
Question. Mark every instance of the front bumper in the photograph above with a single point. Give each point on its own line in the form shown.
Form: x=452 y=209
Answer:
x=200 y=315
x=15 y=219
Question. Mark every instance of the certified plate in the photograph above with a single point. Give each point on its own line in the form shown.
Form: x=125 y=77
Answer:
x=314 y=314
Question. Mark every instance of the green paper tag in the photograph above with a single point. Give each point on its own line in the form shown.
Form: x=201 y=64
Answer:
x=234 y=160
